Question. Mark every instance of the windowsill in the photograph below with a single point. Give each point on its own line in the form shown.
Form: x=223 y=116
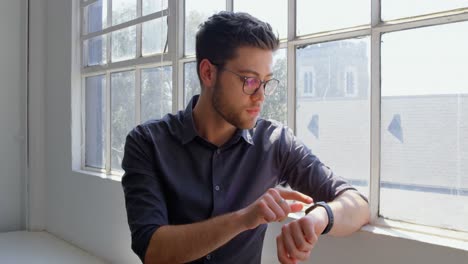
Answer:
x=419 y=236
x=425 y=234
x=99 y=174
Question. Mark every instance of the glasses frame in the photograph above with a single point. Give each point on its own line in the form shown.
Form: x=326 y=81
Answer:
x=245 y=78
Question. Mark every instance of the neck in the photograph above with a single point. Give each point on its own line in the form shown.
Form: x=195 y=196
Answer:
x=210 y=124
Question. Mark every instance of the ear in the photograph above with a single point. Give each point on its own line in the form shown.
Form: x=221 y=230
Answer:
x=207 y=73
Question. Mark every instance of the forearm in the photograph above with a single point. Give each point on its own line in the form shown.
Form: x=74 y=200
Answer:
x=184 y=243
x=350 y=211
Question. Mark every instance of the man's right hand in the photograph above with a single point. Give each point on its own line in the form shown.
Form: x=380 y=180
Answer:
x=272 y=207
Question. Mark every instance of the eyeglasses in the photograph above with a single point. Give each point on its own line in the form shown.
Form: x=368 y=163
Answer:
x=252 y=84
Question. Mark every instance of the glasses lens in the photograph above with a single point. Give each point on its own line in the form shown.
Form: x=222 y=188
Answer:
x=251 y=84
x=270 y=86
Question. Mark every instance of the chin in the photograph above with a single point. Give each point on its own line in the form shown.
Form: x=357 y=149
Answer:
x=248 y=125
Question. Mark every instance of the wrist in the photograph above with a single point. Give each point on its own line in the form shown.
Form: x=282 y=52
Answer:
x=243 y=218
x=323 y=210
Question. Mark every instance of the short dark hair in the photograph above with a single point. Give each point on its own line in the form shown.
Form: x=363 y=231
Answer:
x=219 y=37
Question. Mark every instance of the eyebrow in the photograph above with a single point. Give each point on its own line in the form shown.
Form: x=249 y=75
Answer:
x=255 y=73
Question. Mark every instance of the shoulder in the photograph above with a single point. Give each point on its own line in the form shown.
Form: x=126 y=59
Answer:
x=169 y=125
x=272 y=130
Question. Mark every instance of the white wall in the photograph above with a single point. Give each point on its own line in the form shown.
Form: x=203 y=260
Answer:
x=89 y=211
x=13 y=22
x=85 y=210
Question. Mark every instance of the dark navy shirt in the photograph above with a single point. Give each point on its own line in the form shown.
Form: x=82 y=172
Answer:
x=173 y=176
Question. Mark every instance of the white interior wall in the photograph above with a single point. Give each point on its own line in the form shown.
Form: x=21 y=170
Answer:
x=13 y=14
x=36 y=123
x=89 y=211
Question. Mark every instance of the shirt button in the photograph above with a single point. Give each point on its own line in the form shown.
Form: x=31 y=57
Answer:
x=217 y=189
x=218 y=151
x=208 y=257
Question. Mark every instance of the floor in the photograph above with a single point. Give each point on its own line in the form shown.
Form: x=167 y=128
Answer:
x=40 y=248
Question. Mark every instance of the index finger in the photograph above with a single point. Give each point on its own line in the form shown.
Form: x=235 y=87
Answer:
x=295 y=195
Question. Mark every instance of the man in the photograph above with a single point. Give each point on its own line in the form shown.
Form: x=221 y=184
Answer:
x=199 y=185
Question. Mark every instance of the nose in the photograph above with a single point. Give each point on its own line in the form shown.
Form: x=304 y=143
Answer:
x=259 y=95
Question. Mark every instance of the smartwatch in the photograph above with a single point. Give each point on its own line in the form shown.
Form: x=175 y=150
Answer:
x=329 y=213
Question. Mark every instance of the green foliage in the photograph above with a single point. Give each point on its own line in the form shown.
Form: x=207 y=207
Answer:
x=275 y=106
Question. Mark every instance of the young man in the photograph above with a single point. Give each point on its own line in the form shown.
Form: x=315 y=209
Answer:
x=199 y=185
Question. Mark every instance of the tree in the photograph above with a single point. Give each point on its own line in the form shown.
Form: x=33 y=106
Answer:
x=275 y=106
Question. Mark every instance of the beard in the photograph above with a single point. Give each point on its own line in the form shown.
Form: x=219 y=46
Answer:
x=223 y=106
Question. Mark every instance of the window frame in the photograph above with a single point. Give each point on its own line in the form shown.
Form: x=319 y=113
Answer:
x=175 y=57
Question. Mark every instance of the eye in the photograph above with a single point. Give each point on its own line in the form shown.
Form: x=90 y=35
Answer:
x=252 y=82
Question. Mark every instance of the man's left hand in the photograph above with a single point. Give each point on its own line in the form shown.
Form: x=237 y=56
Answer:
x=298 y=238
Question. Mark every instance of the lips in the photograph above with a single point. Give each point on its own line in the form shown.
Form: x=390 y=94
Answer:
x=253 y=111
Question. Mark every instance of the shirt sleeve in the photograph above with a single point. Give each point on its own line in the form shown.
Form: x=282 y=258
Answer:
x=144 y=197
x=304 y=172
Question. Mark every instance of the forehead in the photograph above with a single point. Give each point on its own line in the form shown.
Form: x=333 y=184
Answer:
x=252 y=58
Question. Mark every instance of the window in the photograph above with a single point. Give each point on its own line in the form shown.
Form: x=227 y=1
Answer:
x=425 y=126
x=344 y=124
x=126 y=74
x=394 y=9
x=196 y=12
x=309 y=82
x=377 y=89
x=314 y=17
x=350 y=85
x=275 y=14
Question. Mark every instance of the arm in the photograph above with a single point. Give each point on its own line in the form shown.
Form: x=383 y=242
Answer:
x=299 y=237
x=351 y=212
x=183 y=243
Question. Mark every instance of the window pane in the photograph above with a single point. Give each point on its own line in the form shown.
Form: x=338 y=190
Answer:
x=275 y=106
x=154 y=36
x=318 y=16
x=334 y=125
x=191 y=81
x=97 y=16
x=122 y=113
x=393 y=9
x=424 y=126
x=95 y=122
x=96 y=50
x=276 y=14
x=123 y=11
x=153 y=6
x=156 y=92
x=124 y=44
x=196 y=12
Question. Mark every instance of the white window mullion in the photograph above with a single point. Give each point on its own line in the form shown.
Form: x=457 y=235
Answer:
x=108 y=124
x=87 y=3
x=83 y=123
x=137 y=96
x=229 y=5
x=84 y=20
x=108 y=36
x=138 y=20
x=84 y=30
x=119 y=65
x=176 y=51
x=291 y=66
x=423 y=21
x=375 y=110
x=138 y=31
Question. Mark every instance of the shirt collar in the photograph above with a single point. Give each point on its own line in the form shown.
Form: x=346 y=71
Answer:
x=189 y=132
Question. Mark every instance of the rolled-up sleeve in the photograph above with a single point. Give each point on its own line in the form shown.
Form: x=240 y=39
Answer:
x=304 y=172
x=144 y=197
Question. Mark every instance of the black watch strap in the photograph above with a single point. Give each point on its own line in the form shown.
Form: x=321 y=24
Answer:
x=329 y=213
